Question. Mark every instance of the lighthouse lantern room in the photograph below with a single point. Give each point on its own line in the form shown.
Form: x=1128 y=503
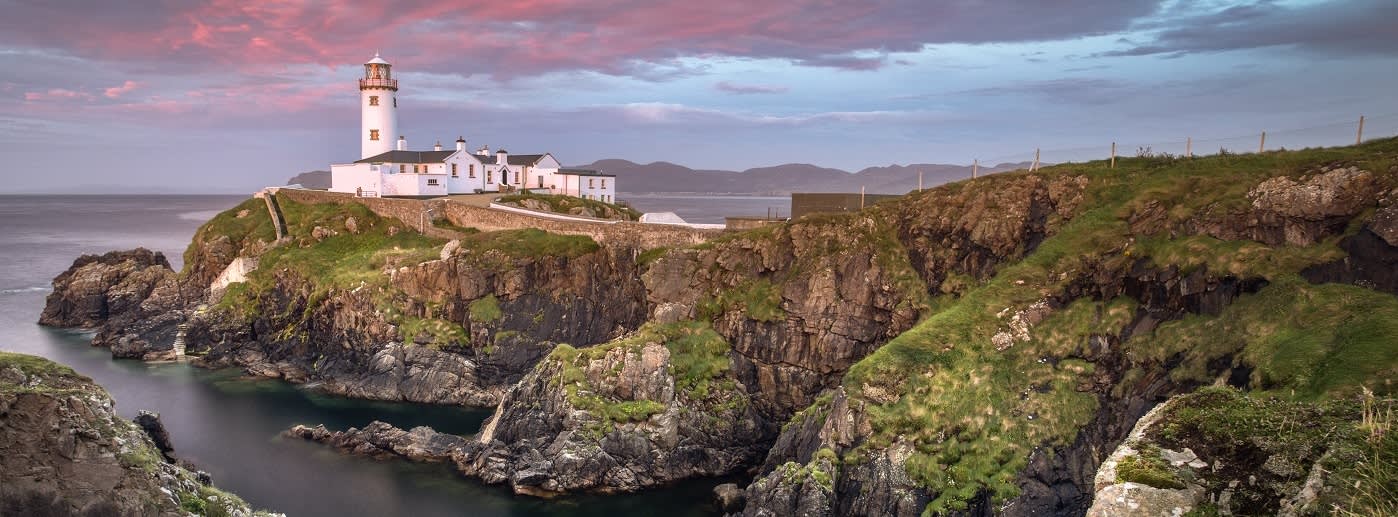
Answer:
x=378 y=104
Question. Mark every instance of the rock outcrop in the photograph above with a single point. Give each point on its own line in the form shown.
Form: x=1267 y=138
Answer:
x=381 y=440
x=63 y=451
x=1219 y=452
x=131 y=298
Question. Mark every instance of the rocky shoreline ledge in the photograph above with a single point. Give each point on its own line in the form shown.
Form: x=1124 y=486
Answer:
x=64 y=451
x=977 y=348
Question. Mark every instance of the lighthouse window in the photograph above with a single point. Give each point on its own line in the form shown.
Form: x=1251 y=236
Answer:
x=373 y=134
x=373 y=100
x=395 y=102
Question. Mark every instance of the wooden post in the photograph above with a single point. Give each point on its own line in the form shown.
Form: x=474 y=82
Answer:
x=1262 y=144
x=1036 y=159
x=919 y=181
x=861 y=197
x=975 y=168
x=1359 y=138
x=1189 y=147
x=1113 y=155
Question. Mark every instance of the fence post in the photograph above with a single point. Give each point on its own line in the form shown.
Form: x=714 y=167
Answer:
x=1036 y=159
x=975 y=168
x=919 y=181
x=1113 y=155
x=1262 y=144
x=1189 y=147
x=1359 y=138
x=861 y=197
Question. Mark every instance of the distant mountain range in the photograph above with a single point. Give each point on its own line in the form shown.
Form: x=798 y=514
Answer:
x=776 y=180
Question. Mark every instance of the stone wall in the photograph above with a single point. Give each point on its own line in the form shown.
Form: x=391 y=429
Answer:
x=410 y=213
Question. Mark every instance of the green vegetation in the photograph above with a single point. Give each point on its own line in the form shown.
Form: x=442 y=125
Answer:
x=1277 y=441
x=446 y=224
x=698 y=362
x=530 y=243
x=572 y=205
x=651 y=255
x=1147 y=468
x=485 y=309
x=44 y=376
x=759 y=300
x=255 y=225
x=140 y=456
x=439 y=333
x=1304 y=341
x=974 y=413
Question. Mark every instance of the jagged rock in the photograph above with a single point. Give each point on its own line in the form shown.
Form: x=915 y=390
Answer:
x=150 y=423
x=351 y=225
x=64 y=451
x=382 y=440
x=729 y=497
x=132 y=298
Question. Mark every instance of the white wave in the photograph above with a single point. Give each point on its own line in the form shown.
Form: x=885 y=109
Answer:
x=201 y=215
x=21 y=290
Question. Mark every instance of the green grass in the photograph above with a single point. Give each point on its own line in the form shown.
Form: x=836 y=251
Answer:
x=485 y=309
x=256 y=225
x=1147 y=468
x=699 y=364
x=974 y=413
x=562 y=204
x=530 y=243
x=1304 y=341
x=649 y=256
x=758 y=300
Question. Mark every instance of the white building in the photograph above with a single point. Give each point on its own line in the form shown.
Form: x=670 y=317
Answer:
x=385 y=170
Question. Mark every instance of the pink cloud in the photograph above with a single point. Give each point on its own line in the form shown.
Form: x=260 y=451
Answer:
x=530 y=37
x=730 y=87
x=56 y=94
x=118 y=91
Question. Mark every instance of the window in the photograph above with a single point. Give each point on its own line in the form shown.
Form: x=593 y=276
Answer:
x=604 y=182
x=453 y=170
x=373 y=100
x=589 y=183
x=432 y=181
x=395 y=101
x=374 y=134
x=471 y=170
x=402 y=168
x=489 y=177
x=417 y=169
x=516 y=177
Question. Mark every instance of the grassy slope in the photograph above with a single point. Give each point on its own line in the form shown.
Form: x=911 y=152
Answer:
x=348 y=260
x=974 y=414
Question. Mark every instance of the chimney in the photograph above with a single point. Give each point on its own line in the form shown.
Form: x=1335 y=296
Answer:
x=483 y=151
x=402 y=143
x=502 y=157
x=438 y=146
x=460 y=143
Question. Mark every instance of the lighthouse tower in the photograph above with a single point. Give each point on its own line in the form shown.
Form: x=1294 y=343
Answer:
x=378 y=105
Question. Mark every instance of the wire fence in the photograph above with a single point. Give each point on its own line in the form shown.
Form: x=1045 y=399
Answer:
x=1356 y=130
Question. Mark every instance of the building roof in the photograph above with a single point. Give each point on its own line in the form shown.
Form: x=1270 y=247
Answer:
x=408 y=157
x=514 y=159
x=584 y=172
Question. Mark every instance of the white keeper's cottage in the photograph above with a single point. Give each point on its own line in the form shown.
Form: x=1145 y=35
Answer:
x=393 y=170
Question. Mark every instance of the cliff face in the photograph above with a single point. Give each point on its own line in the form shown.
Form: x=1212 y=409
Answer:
x=63 y=451
x=131 y=298
x=974 y=349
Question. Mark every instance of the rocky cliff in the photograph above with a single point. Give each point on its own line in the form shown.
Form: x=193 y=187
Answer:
x=978 y=348
x=63 y=451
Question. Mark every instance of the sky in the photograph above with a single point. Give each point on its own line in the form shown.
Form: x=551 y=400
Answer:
x=228 y=96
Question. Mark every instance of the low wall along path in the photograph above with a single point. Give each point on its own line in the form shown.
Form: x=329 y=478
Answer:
x=411 y=213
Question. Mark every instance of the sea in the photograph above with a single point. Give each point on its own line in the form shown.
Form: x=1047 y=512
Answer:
x=229 y=425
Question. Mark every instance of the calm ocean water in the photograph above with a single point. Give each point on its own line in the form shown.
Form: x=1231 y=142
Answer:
x=229 y=425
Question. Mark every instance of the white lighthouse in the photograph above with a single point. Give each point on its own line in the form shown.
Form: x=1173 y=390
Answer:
x=378 y=105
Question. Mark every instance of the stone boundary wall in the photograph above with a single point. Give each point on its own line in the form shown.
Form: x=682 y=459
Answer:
x=410 y=213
